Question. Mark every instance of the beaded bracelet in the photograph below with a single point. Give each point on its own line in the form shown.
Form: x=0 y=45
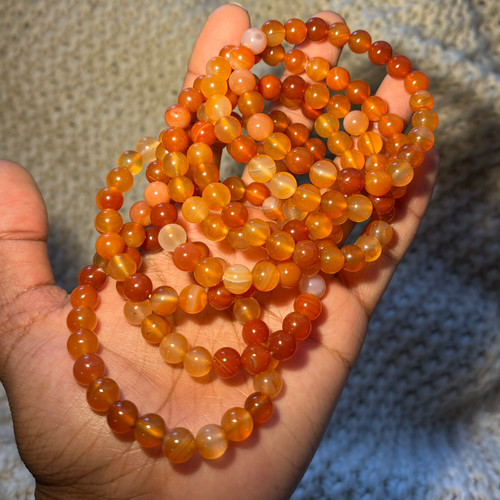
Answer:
x=365 y=165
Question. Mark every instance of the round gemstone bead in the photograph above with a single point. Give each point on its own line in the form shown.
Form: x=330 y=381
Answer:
x=211 y=441
x=237 y=424
x=179 y=445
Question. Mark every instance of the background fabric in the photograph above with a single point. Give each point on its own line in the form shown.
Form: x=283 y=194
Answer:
x=420 y=417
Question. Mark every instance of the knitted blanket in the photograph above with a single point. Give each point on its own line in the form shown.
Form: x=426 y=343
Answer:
x=420 y=417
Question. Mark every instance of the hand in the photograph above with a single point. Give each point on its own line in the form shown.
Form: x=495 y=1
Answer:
x=69 y=448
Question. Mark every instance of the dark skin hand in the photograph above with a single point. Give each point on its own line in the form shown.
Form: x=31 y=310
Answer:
x=69 y=448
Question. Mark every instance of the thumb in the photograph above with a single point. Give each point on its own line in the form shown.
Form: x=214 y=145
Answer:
x=26 y=280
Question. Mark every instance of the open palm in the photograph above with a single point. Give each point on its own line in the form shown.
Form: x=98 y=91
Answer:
x=69 y=448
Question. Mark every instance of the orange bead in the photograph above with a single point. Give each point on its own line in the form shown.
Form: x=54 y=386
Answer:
x=175 y=139
x=273 y=55
x=390 y=124
x=317 y=95
x=357 y=91
x=120 y=178
x=193 y=299
x=257 y=193
x=380 y=52
x=87 y=368
x=398 y=66
x=81 y=317
x=265 y=276
x=317 y=29
x=275 y=32
x=154 y=328
x=178 y=445
x=425 y=118
x=109 y=197
x=242 y=149
x=338 y=34
x=122 y=416
x=208 y=272
x=150 y=429
x=198 y=362
x=371 y=247
x=359 y=208
x=227 y=362
x=356 y=122
x=130 y=160
x=370 y=143
x=211 y=442
x=177 y=116
x=338 y=106
x=378 y=182
x=82 y=342
x=331 y=260
x=290 y=274
x=227 y=128
x=102 y=393
x=237 y=424
x=295 y=61
x=354 y=258
x=359 y=41
x=308 y=305
x=241 y=57
x=339 y=142
x=374 y=108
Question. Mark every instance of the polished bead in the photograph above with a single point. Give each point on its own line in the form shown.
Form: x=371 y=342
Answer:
x=357 y=91
x=381 y=230
x=371 y=247
x=241 y=58
x=241 y=81
x=213 y=227
x=190 y=98
x=299 y=160
x=309 y=305
x=164 y=300
x=208 y=272
x=390 y=124
x=130 y=160
x=317 y=29
x=193 y=299
x=198 y=362
x=150 y=429
x=274 y=31
x=281 y=345
x=186 y=256
x=255 y=331
x=261 y=168
x=219 y=297
x=226 y=362
x=216 y=196
x=421 y=136
x=331 y=260
x=211 y=441
x=175 y=139
x=269 y=87
x=359 y=208
x=290 y=274
x=81 y=317
x=398 y=66
x=259 y=126
x=237 y=424
x=120 y=179
x=359 y=41
x=109 y=197
x=194 y=209
x=250 y=103
x=199 y=153
x=422 y=99
x=265 y=276
x=317 y=95
x=425 y=118
x=256 y=232
x=260 y=406
x=237 y=278
x=82 y=342
x=277 y=145
x=339 y=142
x=180 y=188
x=256 y=193
x=356 y=122
x=136 y=312
x=268 y=382
x=108 y=220
x=88 y=367
x=338 y=34
x=255 y=39
x=178 y=445
x=218 y=66
x=283 y=185
x=122 y=416
x=280 y=246
x=121 y=267
x=236 y=187
x=203 y=131
x=140 y=212
x=170 y=236
x=378 y=182
x=326 y=125
x=306 y=253
x=173 y=348
x=354 y=258
x=319 y=225
x=255 y=358
x=102 y=393
x=349 y=181
x=154 y=328
x=84 y=295
x=298 y=325
x=315 y=285
x=227 y=128
x=295 y=61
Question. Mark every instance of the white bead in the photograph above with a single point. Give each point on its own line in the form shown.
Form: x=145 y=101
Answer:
x=255 y=39
x=315 y=285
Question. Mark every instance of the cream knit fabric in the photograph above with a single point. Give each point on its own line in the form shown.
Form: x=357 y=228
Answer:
x=420 y=417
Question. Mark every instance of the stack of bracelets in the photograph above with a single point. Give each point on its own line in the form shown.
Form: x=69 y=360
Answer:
x=301 y=227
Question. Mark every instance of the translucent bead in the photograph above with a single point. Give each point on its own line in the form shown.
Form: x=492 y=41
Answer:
x=415 y=81
x=295 y=31
x=425 y=118
x=352 y=159
x=274 y=31
x=394 y=143
x=323 y=174
x=260 y=406
x=295 y=61
x=120 y=179
x=356 y=122
x=150 y=429
x=331 y=260
x=290 y=274
x=339 y=142
x=280 y=246
x=164 y=300
x=246 y=309
x=255 y=358
x=359 y=41
x=354 y=258
x=208 y=272
x=122 y=416
x=227 y=129
x=390 y=124
x=256 y=232
x=398 y=66
x=277 y=145
x=296 y=229
x=241 y=57
x=140 y=212
x=179 y=445
x=177 y=116
x=186 y=256
x=379 y=52
x=242 y=149
x=268 y=382
x=283 y=185
x=374 y=108
x=217 y=106
x=369 y=143
x=261 y=168
x=211 y=441
x=237 y=278
x=216 y=196
x=317 y=95
x=237 y=424
x=219 y=297
x=226 y=362
x=180 y=188
x=255 y=39
x=133 y=234
x=236 y=240
x=349 y=181
x=234 y=215
x=319 y=225
x=87 y=368
x=154 y=328
x=203 y=131
x=82 y=342
x=136 y=312
x=213 y=227
x=315 y=285
x=309 y=305
x=218 y=66
x=194 y=209
x=306 y=254
x=338 y=34
x=102 y=393
x=130 y=160
x=198 y=362
x=81 y=317
x=109 y=197
x=378 y=182
x=175 y=139
x=170 y=236
x=255 y=331
x=317 y=68
x=173 y=348
x=421 y=136
x=282 y=345
x=84 y=295
x=212 y=85
x=108 y=220
x=241 y=81
x=317 y=29
x=259 y=126
x=190 y=98
x=193 y=299
x=199 y=153
x=121 y=267
x=298 y=325
x=270 y=87
x=250 y=103
x=359 y=208
x=422 y=99
x=272 y=208
x=265 y=276
x=256 y=193
x=151 y=244
x=381 y=230
x=325 y=125
x=371 y=247
x=401 y=172
x=357 y=91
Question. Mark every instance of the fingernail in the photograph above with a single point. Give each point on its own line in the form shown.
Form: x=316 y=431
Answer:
x=239 y=5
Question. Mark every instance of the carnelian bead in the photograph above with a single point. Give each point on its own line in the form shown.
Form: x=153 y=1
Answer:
x=370 y=143
x=109 y=245
x=299 y=160
x=296 y=229
x=237 y=278
x=390 y=124
x=305 y=254
x=255 y=358
x=194 y=209
x=234 y=215
x=274 y=31
x=298 y=134
x=352 y=159
x=121 y=266
x=415 y=81
x=120 y=178
x=246 y=309
x=213 y=85
x=339 y=142
x=349 y=181
x=179 y=445
x=295 y=61
x=259 y=126
x=108 y=220
x=219 y=297
x=82 y=342
x=338 y=34
x=425 y=118
x=317 y=68
x=154 y=327
x=180 y=188
x=138 y=287
x=227 y=128
x=333 y=203
x=281 y=345
x=338 y=79
x=241 y=81
x=81 y=317
x=394 y=143
x=136 y=312
x=211 y=441
x=272 y=208
x=354 y=258
x=256 y=232
x=109 y=197
x=250 y=103
x=357 y=91
x=323 y=174
x=317 y=29
x=160 y=149
x=293 y=87
x=298 y=325
x=280 y=120
x=87 y=368
x=261 y=168
x=268 y=382
x=218 y=66
x=280 y=246
x=398 y=66
x=84 y=295
x=242 y=149
x=186 y=256
x=290 y=274
x=401 y=172
x=255 y=331
x=356 y=122
x=140 y=212
x=309 y=305
x=226 y=362
x=236 y=188
x=208 y=272
x=269 y=87
x=170 y=236
x=378 y=182
x=163 y=214
x=295 y=31
x=265 y=276
x=331 y=260
x=421 y=136
x=359 y=208
x=326 y=125
x=359 y=41
x=382 y=204
x=283 y=185
x=102 y=393
x=175 y=139
x=379 y=52
x=130 y=160
x=338 y=106
x=122 y=416
x=203 y=131
x=277 y=145
x=177 y=116
x=199 y=153
x=92 y=276
x=241 y=57
x=376 y=162
x=260 y=406
x=374 y=108
x=319 y=225
x=150 y=429
x=422 y=99
x=255 y=39
x=237 y=424
x=371 y=247
x=133 y=234
x=213 y=227
x=256 y=193
x=173 y=348
x=198 y=362
x=190 y=98
x=193 y=299
x=381 y=230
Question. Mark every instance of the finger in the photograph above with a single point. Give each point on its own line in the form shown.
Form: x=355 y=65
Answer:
x=369 y=284
x=312 y=49
x=223 y=27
